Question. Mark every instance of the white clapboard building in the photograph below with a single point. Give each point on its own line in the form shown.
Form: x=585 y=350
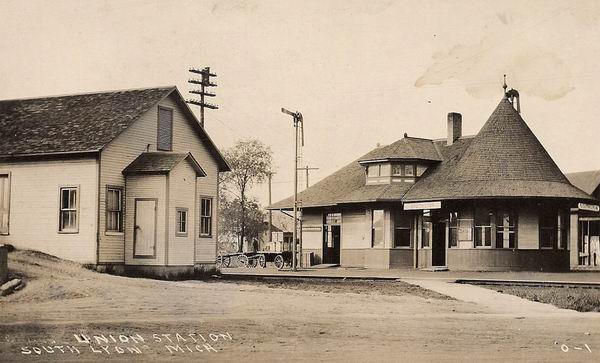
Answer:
x=124 y=178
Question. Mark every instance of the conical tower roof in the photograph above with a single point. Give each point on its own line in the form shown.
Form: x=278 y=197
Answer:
x=504 y=160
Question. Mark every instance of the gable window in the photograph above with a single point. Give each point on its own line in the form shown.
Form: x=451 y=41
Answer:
x=182 y=222
x=165 y=129
x=402 y=229
x=205 y=217
x=377 y=228
x=505 y=229
x=4 y=203
x=548 y=224
x=69 y=210
x=114 y=209
x=483 y=227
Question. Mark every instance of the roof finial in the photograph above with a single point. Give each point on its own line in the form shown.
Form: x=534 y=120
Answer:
x=504 y=86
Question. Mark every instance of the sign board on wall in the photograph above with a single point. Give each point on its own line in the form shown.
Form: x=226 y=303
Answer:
x=311 y=228
x=588 y=207
x=423 y=205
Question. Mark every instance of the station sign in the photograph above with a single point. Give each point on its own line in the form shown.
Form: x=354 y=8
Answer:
x=588 y=207
x=311 y=228
x=423 y=205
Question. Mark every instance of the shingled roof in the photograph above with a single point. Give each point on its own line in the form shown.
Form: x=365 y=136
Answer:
x=504 y=160
x=407 y=148
x=83 y=123
x=160 y=163
x=588 y=181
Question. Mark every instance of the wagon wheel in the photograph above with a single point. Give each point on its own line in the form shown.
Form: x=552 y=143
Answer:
x=278 y=261
x=219 y=261
x=226 y=261
x=262 y=261
x=242 y=260
x=251 y=262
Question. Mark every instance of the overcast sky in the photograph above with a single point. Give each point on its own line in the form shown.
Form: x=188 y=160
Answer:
x=361 y=72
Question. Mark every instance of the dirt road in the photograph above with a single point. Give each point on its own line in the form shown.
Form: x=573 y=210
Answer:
x=223 y=321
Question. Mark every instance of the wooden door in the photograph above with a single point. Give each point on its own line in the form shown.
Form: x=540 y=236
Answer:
x=439 y=244
x=144 y=243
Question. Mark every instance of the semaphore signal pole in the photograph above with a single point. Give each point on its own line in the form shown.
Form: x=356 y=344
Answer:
x=204 y=83
x=297 y=121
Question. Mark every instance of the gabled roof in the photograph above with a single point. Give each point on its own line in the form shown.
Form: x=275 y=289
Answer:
x=82 y=123
x=588 y=181
x=160 y=163
x=504 y=160
x=407 y=148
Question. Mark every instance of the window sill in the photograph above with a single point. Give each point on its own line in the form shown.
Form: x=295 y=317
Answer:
x=150 y=257
x=205 y=236
x=114 y=233
x=68 y=232
x=403 y=248
x=178 y=234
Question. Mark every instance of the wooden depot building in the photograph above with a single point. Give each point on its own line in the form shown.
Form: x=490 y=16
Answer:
x=124 y=178
x=494 y=201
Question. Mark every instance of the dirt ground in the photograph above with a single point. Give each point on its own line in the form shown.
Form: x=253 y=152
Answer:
x=67 y=313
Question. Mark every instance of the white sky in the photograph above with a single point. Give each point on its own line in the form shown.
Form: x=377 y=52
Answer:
x=361 y=72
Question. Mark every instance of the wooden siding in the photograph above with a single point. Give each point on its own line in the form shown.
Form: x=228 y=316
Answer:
x=146 y=186
x=354 y=233
x=34 y=207
x=312 y=240
x=131 y=143
x=527 y=228
x=182 y=184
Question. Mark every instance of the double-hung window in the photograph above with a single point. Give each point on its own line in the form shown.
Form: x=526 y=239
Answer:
x=69 y=210
x=548 y=223
x=483 y=227
x=505 y=229
x=426 y=229
x=114 y=209
x=377 y=228
x=182 y=222
x=402 y=229
x=4 y=203
x=206 y=217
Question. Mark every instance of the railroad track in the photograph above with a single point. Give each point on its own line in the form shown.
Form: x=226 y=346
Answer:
x=500 y=282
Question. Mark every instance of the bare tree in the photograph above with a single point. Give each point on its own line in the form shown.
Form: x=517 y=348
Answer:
x=251 y=163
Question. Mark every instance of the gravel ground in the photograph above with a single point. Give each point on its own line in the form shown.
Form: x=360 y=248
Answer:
x=578 y=299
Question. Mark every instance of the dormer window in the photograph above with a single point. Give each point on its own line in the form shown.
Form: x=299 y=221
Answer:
x=403 y=169
x=409 y=170
x=373 y=170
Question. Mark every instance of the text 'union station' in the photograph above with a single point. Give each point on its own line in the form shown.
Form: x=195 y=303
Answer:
x=493 y=201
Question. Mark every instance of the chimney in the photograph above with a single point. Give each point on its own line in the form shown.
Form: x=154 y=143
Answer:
x=454 y=127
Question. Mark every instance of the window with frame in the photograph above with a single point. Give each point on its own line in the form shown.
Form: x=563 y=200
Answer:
x=182 y=222
x=459 y=228
x=206 y=217
x=397 y=169
x=506 y=229
x=548 y=222
x=426 y=229
x=483 y=227
x=563 y=230
x=373 y=170
x=377 y=227
x=409 y=170
x=402 y=229
x=4 y=203
x=165 y=129
x=114 y=209
x=69 y=210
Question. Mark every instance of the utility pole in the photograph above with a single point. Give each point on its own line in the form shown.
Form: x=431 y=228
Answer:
x=204 y=83
x=306 y=168
x=298 y=122
x=270 y=238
